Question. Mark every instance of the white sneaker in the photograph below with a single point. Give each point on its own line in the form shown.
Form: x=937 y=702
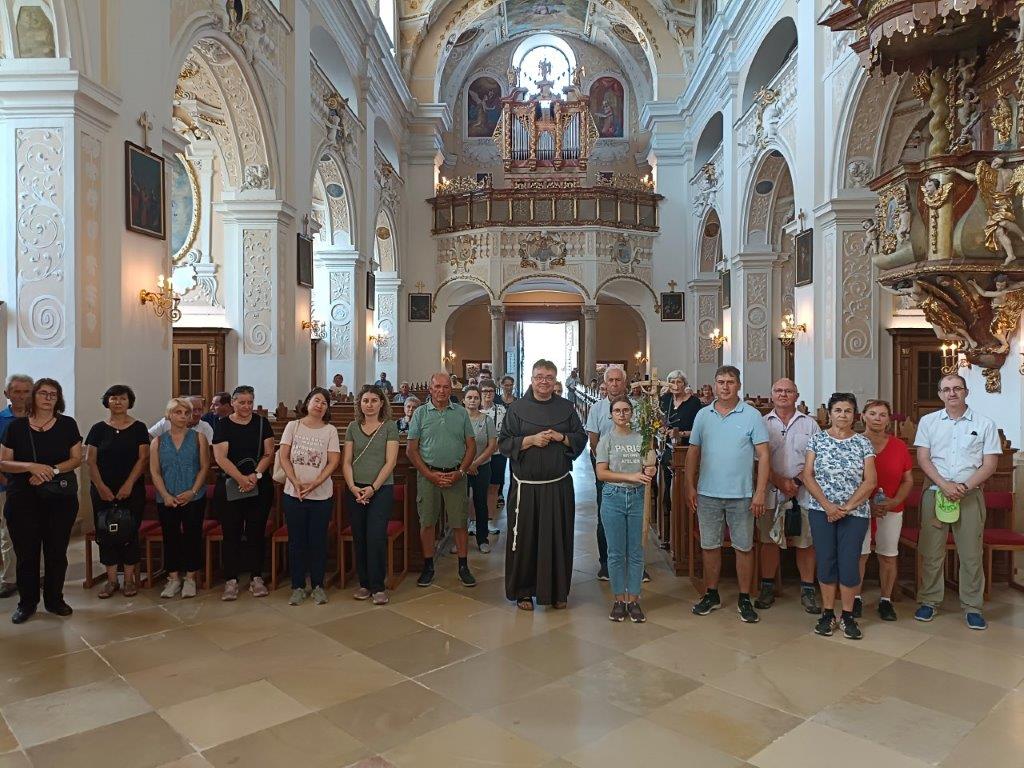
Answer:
x=472 y=528
x=172 y=588
x=298 y=595
x=485 y=547
x=257 y=587
x=230 y=590
x=319 y=596
x=188 y=588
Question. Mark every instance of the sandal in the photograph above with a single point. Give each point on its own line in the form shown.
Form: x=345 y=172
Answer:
x=525 y=604
x=131 y=586
x=108 y=589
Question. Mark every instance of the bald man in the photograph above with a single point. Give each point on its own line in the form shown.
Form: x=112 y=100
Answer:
x=789 y=431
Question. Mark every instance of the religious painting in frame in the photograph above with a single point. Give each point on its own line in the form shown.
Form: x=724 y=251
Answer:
x=185 y=210
x=483 y=107
x=371 y=290
x=805 y=257
x=420 y=307
x=608 y=107
x=673 y=306
x=727 y=289
x=144 y=192
x=304 y=260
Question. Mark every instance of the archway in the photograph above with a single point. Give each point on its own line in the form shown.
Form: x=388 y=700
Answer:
x=386 y=284
x=775 y=49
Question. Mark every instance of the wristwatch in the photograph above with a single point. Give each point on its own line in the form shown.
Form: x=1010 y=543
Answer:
x=259 y=475
x=56 y=469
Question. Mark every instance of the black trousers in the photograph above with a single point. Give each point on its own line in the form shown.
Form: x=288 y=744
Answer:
x=119 y=554
x=40 y=527
x=183 y=535
x=478 y=485
x=245 y=523
x=370 y=535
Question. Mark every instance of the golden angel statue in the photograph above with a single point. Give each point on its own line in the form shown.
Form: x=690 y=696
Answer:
x=998 y=186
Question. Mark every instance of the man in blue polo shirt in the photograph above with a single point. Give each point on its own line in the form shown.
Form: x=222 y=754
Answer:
x=725 y=437
x=19 y=394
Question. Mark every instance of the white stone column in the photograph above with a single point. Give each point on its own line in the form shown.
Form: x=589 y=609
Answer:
x=256 y=238
x=753 y=321
x=387 y=287
x=336 y=272
x=845 y=328
x=589 y=341
x=497 y=313
x=705 y=298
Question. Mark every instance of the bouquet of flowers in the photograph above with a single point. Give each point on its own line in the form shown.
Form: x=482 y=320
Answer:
x=648 y=417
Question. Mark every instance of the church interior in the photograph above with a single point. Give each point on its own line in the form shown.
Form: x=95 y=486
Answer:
x=203 y=194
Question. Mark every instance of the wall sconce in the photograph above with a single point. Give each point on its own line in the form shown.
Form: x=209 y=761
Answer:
x=717 y=339
x=640 y=357
x=317 y=328
x=164 y=299
x=378 y=339
x=953 y=359
x=790 y=330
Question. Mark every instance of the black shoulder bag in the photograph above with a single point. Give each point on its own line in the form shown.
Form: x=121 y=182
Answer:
x=232 y=490
x=62 y=485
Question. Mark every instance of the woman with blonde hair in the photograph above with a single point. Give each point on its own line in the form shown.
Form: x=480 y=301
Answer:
x=179 y=461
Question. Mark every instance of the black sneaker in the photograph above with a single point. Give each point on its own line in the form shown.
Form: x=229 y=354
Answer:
x=809 y=600
x=858 y=607
x=636 y=613
x=646 y=577
x=707 y=604
x=602 y=573
x=59 y=608
x=466 y=576
x=766 y=597
x=885 y=610
x=747 y=612
x=850 y=629
x=618 y=611
x=426 y=577
x=825 y=624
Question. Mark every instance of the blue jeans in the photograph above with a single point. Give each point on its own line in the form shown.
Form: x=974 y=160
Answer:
x=623 y=511
x=308 y=521
x=837 y=547
x=477 y=486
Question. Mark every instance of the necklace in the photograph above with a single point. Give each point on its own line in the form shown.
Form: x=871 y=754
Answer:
x=42 y=427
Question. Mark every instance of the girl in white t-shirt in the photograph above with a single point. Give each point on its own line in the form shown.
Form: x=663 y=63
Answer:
x=310 y=452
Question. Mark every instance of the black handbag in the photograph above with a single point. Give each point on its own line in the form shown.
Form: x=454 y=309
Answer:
x=232 y=490
x=62 y=485
x=115 y=525
x=794 y=519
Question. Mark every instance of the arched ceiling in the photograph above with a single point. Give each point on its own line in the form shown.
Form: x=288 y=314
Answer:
x=657 y=32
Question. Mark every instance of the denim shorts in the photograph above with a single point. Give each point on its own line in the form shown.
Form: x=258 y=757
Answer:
x=713 y=514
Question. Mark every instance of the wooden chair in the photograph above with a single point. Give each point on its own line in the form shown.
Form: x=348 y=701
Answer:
x=213 y=534
x=998 y=538
x=146 y=528
x=155 y=536
x=398 y=528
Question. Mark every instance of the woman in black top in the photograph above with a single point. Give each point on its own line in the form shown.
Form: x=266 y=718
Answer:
x=117 y=456
x=39 y=454
x=243 y=447
x=680 y=407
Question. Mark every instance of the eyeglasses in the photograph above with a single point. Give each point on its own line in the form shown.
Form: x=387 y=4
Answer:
x=537 y=377
x=622 y=411
x=47 y=394
x=951 y=390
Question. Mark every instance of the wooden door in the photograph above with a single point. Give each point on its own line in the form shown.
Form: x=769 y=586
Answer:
x=197 y=367
x=917 y=369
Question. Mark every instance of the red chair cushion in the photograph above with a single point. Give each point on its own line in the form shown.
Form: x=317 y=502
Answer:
x=149 y=528
x=281 y=532
x=394 y=527
x=215 y=530
x=1001 y=500
x=400 y=492
x=1003 y=537
x=209 y=525
x=913 y=500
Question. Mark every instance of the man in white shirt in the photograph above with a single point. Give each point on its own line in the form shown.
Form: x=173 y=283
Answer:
x=958 y=450
x=195 y=421
x=789 y=431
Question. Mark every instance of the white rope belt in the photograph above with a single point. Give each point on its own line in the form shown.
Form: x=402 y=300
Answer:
x=519 y=500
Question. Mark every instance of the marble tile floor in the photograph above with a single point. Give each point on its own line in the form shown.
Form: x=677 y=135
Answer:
x=455 y=677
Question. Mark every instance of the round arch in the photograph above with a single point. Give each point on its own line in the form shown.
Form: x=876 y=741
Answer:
x=331 y=184
x=544 y=281
x=710 y=140
x=758 y=198
x=772 y=53
x=204 y=56
x=708 y=248
x=385 y=242
x=335 y=64
x=603 y=287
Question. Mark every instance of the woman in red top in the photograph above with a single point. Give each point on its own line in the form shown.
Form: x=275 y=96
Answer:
x=893 y=465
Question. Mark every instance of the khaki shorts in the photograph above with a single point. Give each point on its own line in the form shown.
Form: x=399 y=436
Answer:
x=764 y=530
x=430 y=500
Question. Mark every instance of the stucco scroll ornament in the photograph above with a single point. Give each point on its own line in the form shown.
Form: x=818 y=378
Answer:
x=247 y=26
x=257 y=176
x=624 y=256
x=538 y=251
x=936 y=195
x=708 y=185
x=859 y=172
x=462 y=253
x=998 y=186
x=764 y=98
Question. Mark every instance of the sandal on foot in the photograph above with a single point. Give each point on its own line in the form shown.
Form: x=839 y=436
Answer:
x=525 y=604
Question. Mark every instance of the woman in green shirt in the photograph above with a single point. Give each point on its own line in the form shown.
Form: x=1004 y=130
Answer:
x=369 y=458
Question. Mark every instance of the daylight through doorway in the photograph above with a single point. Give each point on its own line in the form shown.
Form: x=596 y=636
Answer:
x=554 y=341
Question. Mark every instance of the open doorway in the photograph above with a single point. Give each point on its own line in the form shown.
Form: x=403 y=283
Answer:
x=557 y=341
